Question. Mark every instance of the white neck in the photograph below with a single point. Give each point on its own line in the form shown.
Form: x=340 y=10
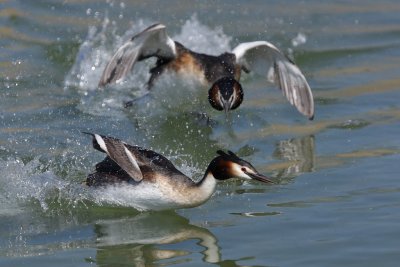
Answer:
x=208 y=183
x=205 y=189
x=193 y=195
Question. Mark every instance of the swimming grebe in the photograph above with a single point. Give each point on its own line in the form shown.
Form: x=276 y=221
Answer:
x=140 y=169
x=221 y=72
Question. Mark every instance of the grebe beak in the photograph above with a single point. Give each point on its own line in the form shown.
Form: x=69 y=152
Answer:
x=259 y=177
x=226 y=106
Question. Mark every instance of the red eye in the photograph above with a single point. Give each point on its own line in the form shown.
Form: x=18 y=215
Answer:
x=244 y=170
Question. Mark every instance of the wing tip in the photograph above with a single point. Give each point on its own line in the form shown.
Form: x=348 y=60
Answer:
x=158 y=25
x=155 y=26
x=88 y=133
x=97 y=142
x=101 y=83
x=307 y=111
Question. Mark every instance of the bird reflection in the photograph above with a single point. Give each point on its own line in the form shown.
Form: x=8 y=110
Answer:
x=139 y=241
x=298 y=153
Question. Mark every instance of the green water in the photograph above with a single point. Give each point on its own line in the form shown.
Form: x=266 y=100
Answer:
x=337 y=196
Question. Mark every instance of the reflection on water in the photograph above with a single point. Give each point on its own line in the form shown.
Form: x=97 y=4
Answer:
x=297 y=154
x=140 y=240
x=144 y=239
x=337 y=191
x=351 y=124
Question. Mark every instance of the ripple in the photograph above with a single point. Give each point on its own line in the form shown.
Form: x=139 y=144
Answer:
x=351 y=124
x=369 y=153
x=256 y=214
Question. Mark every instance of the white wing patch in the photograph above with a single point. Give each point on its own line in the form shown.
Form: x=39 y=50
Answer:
x=101 y=142
x=121 y=155
x=132 y=159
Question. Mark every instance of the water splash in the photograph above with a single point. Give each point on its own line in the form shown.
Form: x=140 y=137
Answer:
x=102 y=42
x=300 y=39
x=97 y=49
x=203 y=39
x=34 y=182
x=25 y=182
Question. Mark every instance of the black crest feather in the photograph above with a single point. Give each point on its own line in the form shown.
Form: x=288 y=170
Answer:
x=230 y=155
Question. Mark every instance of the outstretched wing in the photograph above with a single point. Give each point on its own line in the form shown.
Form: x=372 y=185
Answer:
x=152 y=41
x=265 y=59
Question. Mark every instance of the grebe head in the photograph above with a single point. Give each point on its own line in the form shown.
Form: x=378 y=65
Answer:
x=228 y=165
x=225 y=94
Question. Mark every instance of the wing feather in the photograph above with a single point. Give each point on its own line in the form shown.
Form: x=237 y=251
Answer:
x=265 y=59
x=120 y=153
x=131 y=159
x=152 y=41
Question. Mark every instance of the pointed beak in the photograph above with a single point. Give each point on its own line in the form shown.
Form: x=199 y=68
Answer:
x=227 y=105
x=260 y=177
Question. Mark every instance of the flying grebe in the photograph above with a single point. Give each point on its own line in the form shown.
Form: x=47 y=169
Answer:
x=138 y=169
x=221 y=72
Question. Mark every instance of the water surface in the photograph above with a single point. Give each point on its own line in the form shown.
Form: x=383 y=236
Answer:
x=336 y=199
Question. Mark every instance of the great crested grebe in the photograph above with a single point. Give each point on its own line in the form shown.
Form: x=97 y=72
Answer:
x=221 y=72
x=139 y=169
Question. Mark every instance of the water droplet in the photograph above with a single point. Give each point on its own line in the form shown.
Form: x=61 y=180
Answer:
x=300 y=39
